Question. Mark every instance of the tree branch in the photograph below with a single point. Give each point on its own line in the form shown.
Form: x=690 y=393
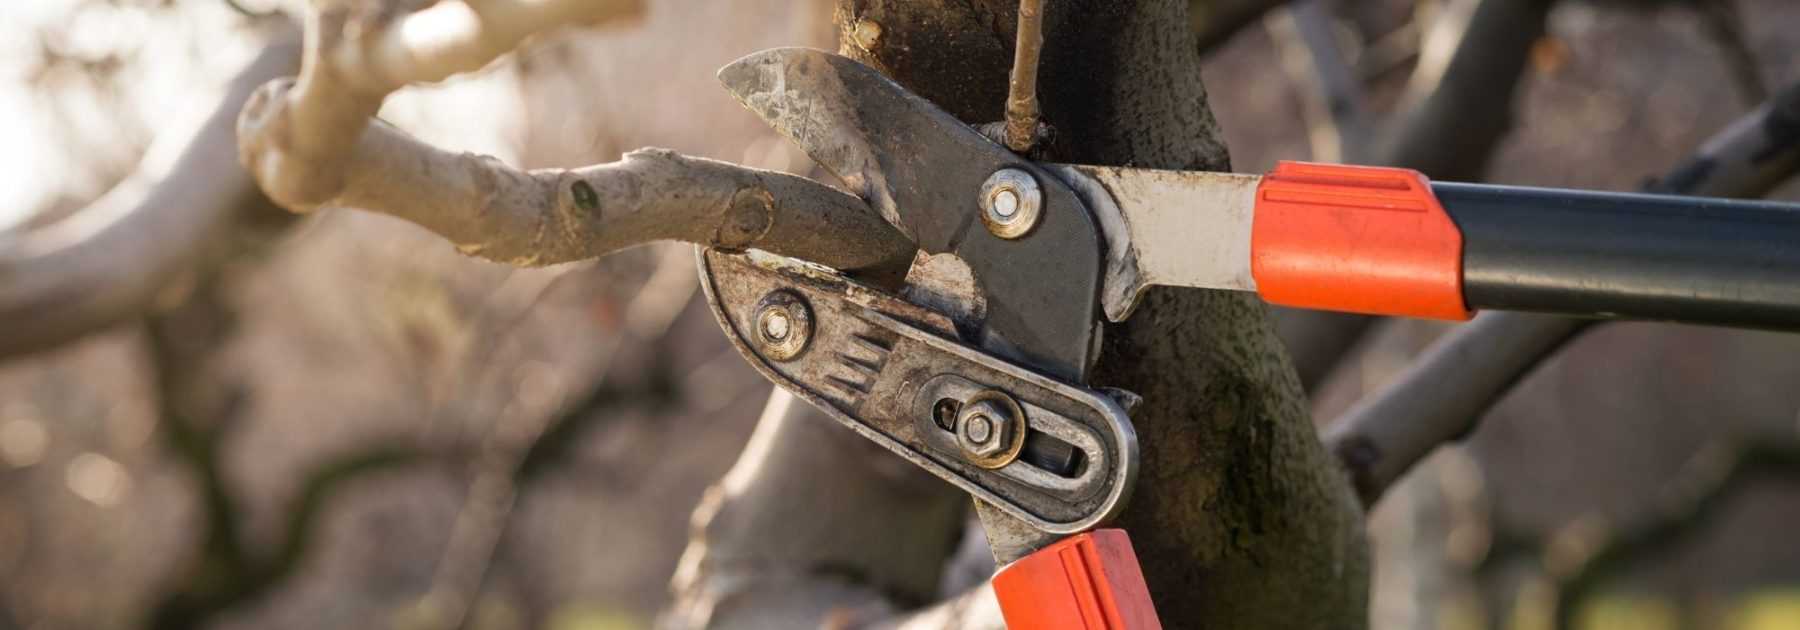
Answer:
x=1441 y=395
x=1459 y=103
x=873 y=540
x=1021 y=95
x=1457 y=108
x=1444 y=393
x=311 y=143
x=106 y=263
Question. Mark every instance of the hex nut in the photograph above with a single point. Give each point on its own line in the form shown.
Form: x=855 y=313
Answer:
x=990 y=429
x=783 y=325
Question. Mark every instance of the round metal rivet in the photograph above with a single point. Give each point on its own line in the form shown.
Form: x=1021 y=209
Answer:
x=1006 y=202
x=783 y=325
x=775 y=325
x=1011 y=203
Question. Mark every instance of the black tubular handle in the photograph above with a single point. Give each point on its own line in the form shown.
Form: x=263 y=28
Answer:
x=1626 y=255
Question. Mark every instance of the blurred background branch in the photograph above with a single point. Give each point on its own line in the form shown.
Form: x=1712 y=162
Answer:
x=106 y=263
x=1452 y=384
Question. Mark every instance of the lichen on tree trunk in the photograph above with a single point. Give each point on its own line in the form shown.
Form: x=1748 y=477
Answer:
x=1240 y=518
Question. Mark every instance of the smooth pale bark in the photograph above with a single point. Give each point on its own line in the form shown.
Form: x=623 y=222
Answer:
x=1240 y=518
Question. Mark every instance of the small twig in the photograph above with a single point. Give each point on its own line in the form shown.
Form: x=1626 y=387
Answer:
x=1021 y=95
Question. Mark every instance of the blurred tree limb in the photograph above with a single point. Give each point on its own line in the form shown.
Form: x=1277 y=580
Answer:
x=198 y=407
x=1443 y=394
x=1593 y=549
x=1456 y=109
x=106 y=263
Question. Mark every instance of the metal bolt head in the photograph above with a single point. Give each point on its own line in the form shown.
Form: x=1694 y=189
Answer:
x=783 y=325
x=991 y=429
x=1011 y=203
x=776 y=325
x=1005 y=202
x=979 y=429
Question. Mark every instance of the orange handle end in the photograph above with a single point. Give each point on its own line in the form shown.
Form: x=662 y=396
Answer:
x=1089 y=581
x=1356 y=239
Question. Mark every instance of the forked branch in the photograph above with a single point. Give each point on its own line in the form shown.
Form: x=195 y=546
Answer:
x=311 y=142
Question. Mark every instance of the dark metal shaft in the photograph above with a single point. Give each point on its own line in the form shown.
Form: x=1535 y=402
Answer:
x=1628 y=255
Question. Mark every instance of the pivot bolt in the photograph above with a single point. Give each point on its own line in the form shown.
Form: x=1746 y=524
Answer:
x=783 y=325
x=991 y=429
x=1011 y=203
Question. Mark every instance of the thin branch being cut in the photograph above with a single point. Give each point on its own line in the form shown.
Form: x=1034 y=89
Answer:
x=1444 y=393
x=296 y=133
x=106 y=263
x=312 y=142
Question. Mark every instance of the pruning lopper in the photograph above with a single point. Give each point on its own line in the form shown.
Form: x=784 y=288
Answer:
x=976 y=368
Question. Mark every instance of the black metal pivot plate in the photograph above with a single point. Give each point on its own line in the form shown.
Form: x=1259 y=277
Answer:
x=923 y=170
x=883 y=367
x=1628 y=255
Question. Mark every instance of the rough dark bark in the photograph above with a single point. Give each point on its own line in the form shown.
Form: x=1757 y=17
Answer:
x=1240 y=518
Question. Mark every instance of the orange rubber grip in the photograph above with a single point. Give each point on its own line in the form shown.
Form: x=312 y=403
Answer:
x=1356 y=239
x=1089 y=581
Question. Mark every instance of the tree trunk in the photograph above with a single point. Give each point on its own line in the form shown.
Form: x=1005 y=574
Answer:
x=1240 y=518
